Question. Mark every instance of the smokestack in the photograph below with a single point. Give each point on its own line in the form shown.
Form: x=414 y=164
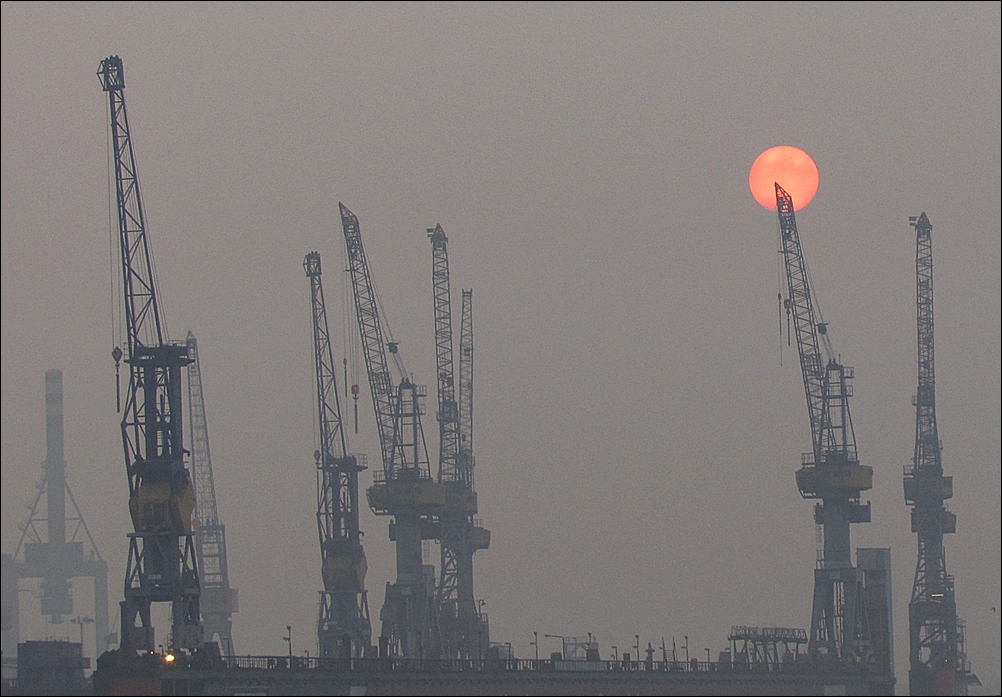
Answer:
x=55 y=464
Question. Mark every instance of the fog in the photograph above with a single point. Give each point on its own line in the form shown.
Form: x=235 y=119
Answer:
x=638 y=416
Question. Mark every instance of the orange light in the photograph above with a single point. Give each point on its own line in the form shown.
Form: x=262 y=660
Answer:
x=169 y=658
x=790 y=167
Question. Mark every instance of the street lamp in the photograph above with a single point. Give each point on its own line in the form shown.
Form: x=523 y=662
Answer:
x=82 y=621
x=535 y=643
x=686 y=647
x=563 y=644
x=615 y=653
x=637 y=646
x=288 y=638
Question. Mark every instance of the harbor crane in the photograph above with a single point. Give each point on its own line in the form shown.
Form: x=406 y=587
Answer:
x=343 y=626
x=937 y=661
x=162 y=565
x=65 y=551
x=218 y=600
x=404 y=489
x=459 y=619
x=831 y=472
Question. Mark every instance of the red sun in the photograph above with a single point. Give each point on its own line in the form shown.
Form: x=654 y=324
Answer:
x=790 y=167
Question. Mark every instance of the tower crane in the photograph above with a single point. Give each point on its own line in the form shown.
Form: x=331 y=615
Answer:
x=831 y=472
x=479 y=537
x=218 y=601
x=466 y=459
x=343 y=626
x=460 y=538
x=162 y=565
x=936 y=655
x=404 y=488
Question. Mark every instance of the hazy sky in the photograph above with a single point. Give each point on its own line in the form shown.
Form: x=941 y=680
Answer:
x=638 y=418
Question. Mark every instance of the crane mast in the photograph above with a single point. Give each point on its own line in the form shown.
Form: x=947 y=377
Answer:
x=218 y=601
x=462 y=633
x=936 y=656
x=448 y=409
x=404 y=488
x=478 y=537
x=162 y=565
x=466 y=461
x=831 y=471
x=343 y=627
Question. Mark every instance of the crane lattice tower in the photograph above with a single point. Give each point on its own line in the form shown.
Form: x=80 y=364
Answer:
x=218 y=600
x=343 y=626
x=831 y=472
x=937 y=664
x=404 y=488
x=162 y=565
x=460 y=621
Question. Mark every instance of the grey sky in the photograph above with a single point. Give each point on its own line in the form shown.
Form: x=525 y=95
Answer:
x=636 y=434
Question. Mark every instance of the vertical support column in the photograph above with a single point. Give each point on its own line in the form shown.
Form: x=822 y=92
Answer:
x=55 y=462
x=10 y=614
x=875 y=563
x=56 y=598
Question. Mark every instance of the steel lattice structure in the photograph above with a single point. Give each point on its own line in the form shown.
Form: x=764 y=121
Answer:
x=64 y=551
x=162 y=564
x=831 y=471
x=936 y=659
x=404 y=488
x=466 y=462
x=343 y=626
x=218 y=601
x=462 y=629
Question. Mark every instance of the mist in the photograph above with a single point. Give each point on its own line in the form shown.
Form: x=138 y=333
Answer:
x=639 y=414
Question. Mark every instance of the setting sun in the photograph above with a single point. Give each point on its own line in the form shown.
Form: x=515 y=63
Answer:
x=791 y=168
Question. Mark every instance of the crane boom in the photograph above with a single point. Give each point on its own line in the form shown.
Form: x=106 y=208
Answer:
x=801 y=305
x=404 y=489
x=144 y=325
x=448 y=409
x=477 y=537
x=460 y=621
x=386 y=399
x=937 y=661
x=219 y=601
x=201 y=460
x=466 y=460
x=162 y=566
x=831 y=471
x=343 y=626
